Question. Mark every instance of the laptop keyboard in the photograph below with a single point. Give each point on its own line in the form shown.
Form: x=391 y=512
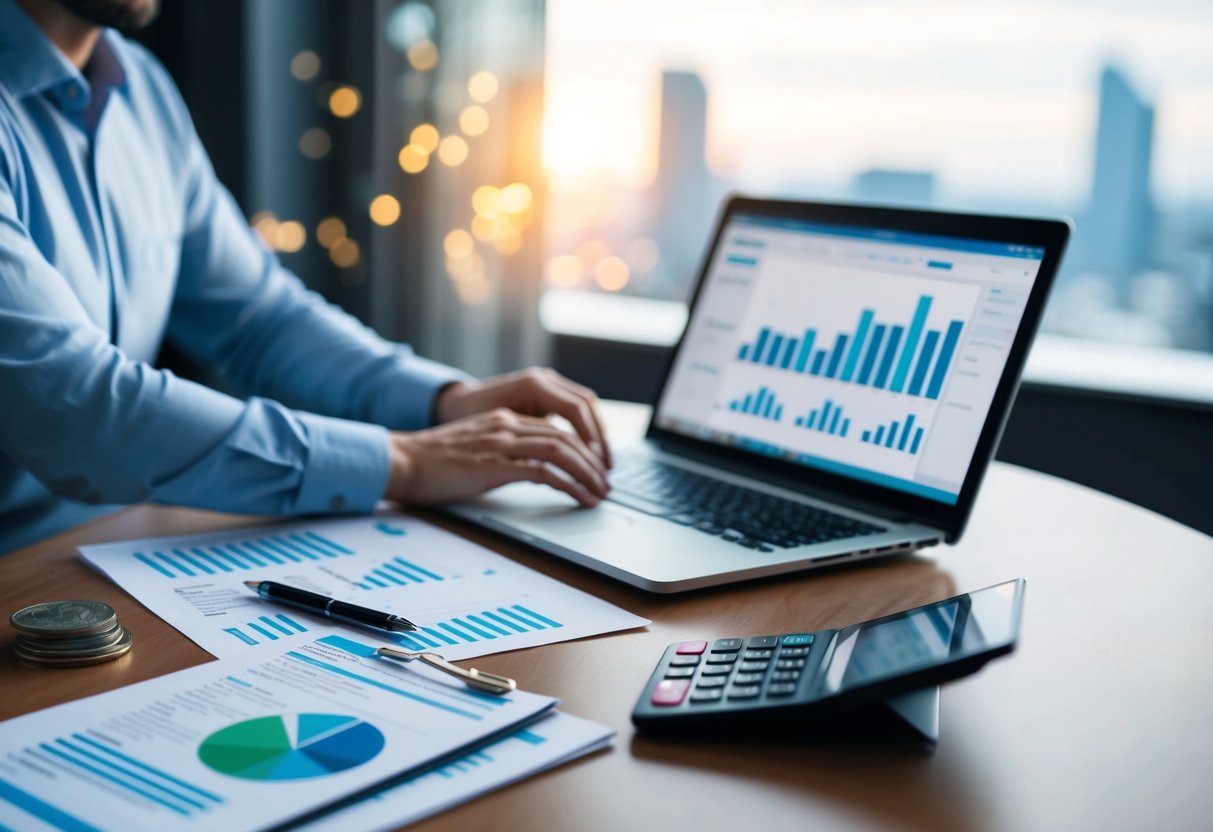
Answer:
x=749 y=518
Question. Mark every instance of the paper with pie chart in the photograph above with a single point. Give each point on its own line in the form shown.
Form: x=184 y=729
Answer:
x=467 y=600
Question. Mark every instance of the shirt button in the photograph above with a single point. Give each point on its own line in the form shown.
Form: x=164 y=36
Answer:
x=338 y=502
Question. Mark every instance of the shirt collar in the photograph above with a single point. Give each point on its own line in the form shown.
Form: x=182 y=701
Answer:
x=30 y=64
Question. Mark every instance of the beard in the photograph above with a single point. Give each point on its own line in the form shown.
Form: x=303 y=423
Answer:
x=127 y=16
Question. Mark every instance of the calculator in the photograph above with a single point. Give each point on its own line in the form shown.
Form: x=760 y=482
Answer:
x=743 y=680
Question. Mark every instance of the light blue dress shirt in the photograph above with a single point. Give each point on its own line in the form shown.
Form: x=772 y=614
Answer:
x=115 y=235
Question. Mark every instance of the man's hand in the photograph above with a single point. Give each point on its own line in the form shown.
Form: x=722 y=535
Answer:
x=534 y=392
x=481 y=452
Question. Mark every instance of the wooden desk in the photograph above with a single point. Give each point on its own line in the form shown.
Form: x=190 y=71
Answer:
x=1102 y=720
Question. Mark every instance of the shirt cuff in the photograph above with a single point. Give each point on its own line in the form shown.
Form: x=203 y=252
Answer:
x=407 y=400
x=347 y=466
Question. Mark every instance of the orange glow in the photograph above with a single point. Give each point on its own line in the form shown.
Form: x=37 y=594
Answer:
x=564 y=271
x=508 y=242
x=266 y=226
x=515 y=198
x=482 y=86
x=413 y=158
x=290 y=236
x=474 y=291
x=612 y=274
x=305 y=65
x=329 y=231
x=452 y=151
x=591 y=252
x=424 y=136
x=485 y=200
x=345 y=101
x=423 y=55
x=458 y=244
x=345 y=253
x=484 y=229
x=576 y=145
x=474 y=120
x=385 y=209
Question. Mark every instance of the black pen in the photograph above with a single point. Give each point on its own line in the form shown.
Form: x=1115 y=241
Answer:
x=331 y=607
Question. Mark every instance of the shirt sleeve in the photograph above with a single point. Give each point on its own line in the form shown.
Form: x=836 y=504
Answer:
x=93 y=425
x=238 y=309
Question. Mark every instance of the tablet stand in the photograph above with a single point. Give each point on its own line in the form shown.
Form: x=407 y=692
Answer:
x=919 y=712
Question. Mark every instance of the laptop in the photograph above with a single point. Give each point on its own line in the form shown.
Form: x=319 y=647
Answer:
x=837 y=394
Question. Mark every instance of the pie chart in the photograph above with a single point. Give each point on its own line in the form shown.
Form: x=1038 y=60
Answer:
x=291 y=747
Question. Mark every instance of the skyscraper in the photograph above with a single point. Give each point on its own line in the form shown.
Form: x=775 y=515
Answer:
x=683 y=180
x=1120 y=218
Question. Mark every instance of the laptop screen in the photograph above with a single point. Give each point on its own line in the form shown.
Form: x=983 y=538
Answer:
x=864 y=352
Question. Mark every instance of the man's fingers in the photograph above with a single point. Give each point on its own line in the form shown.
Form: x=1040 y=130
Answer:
x=559 y=452
x=536 y=426
x=563 y=402
x=507 y=471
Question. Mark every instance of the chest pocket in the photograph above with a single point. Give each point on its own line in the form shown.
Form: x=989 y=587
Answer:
x=151 y=280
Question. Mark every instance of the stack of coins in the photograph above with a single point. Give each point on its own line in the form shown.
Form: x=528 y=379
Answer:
x=69 y=634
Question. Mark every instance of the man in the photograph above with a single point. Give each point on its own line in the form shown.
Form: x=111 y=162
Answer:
x=115 y=234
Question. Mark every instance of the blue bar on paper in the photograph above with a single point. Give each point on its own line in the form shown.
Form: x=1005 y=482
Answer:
x=483 y=621
x=330 y=544
x=308 y=546
x=426 y=640
x=945 y=357
x=743 y=352
x=375 y=683
x=917 y=439
x=888 y=440
x=511 y=624
x=441 y=636
x=240 y=682
x=861 y=333
x=778 y=413
x=245 y=553
x=459 y=622
x=846 y=425
x=799 y=421
x=887 y=362
x=907 y=354
x=825 y=415
x=738 y=260
x=457 y=633
x=199 y=565
x=867 y=436
x=766 y=408
x=812 y=419
x=869 y=360
x=388 y=576
x=788 y=349
x=763 y=335
x=818 y=360
x=267 y=550
x=109 y=762
x=806 y=346
x=905 y=434
x=537 y=616
x=939 y=264
x=773 y=352
x=232 y=559
x=98 y=772
x=755 y=406
x=211 y=559
x=183 y=569
x=834 y=421
x=373 y=581
x=265 y=619
x=924 y=361
x=733 y=405
x=747 y=404
x=257 y=628
x=144 y=559
x=45 y=812
x=393 y=568
x=291 y=622
x=840 y=345
x=534 y=625
x=529 y=737
x=235 y=632
x=878 y=440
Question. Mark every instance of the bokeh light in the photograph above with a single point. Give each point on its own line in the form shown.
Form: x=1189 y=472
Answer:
x=612 y=273
x=266 y=226
x=345 y=253
x=329 y=231
x=482 y=86
x=458 y=244
x=564 y=271
x=642 y=255
x=485 y=200
x=409 y=23
x=423 y=55
x=315 y=143
x=590 y=253
x=484 y=228
x=452 y=151
x=425 y=136
x=508 y=241
x=413 y=158
x=305 y=65
x=290 y=236
x=474 y=120
x=345 y=101
x=515 y=198
x=385 y=209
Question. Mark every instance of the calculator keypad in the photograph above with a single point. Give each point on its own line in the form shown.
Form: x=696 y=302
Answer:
x=733 y=670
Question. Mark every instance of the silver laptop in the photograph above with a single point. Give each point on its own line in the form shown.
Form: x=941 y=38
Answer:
x=837 y=395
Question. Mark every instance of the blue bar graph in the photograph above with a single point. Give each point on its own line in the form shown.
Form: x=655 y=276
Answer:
x=256 y=553
x=397 y=572
x=883 y=354
x=900 y=435
x=828 y=418
x=762 y=404
x=265 y=628
x=472 y=627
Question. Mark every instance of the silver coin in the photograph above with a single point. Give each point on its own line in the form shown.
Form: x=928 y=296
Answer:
x=65 y=619
x=121 y=648
x=72 y=645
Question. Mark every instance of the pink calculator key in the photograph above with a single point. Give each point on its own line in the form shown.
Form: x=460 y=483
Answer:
x=691 y=648
x=670 y=692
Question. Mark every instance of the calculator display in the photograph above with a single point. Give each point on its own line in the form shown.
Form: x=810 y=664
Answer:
x=922 y=637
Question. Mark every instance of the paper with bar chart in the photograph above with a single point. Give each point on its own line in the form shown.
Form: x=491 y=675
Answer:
x=247 y=742
x=467 y=600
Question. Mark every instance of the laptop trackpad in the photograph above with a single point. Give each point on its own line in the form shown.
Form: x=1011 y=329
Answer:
x=566 y=521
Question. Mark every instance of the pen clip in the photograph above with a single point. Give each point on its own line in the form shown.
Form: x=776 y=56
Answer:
x=477 y=679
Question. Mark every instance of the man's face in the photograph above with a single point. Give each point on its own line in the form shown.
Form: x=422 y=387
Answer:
x=126 y=16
